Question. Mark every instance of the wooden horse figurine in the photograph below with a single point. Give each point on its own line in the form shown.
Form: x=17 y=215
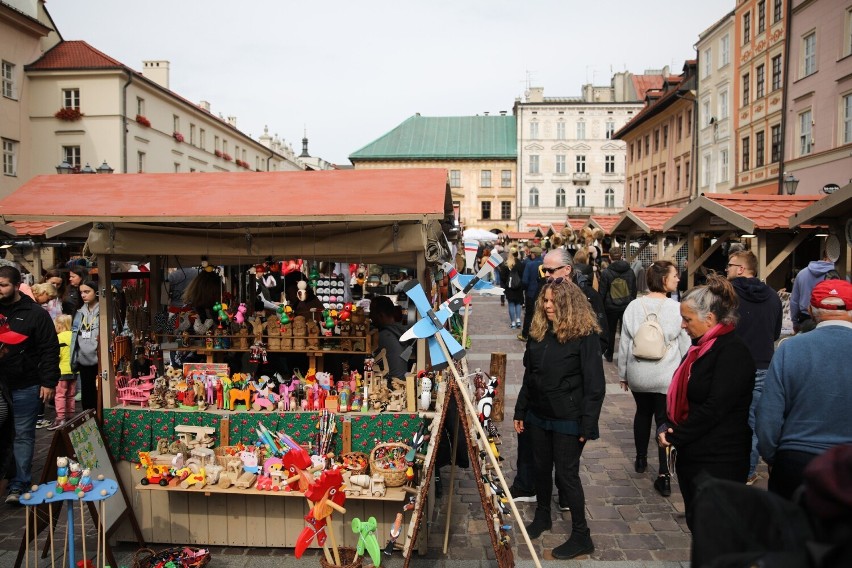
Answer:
x=241 y=395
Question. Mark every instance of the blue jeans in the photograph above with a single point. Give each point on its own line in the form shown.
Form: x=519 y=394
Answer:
x=25 y=409
x=514 y=312
x=759 y=377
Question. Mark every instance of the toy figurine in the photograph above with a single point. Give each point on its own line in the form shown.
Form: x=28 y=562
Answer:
x=61 y=472
x=425 y=398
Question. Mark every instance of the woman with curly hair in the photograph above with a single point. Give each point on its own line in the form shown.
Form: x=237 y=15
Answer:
x=560 y=402
x=710 y=393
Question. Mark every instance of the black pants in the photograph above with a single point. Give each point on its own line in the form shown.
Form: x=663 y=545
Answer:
x=690 y=472
x=562 y=452
x=649 y=405
x=529 y=311
x=613 y=318
x=88 y=386
x=788 y=471
x=525 y=478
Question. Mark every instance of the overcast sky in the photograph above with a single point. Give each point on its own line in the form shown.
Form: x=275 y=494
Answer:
x=349 y=71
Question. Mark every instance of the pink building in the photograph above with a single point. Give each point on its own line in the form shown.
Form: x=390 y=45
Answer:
x=818 y=132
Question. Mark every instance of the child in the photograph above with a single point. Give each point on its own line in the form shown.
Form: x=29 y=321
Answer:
x=67 y=386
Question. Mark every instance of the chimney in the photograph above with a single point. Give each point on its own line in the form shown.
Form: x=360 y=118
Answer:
x=502 y=113
x=305 y=153
x=157 y=71
x=204 y=105
x=536 y=95
x=232 y=120
x=485 y=113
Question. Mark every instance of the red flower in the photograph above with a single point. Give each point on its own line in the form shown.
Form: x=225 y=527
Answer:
x=142 y=120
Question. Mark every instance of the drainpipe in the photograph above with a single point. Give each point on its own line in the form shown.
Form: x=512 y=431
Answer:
x=124 y=123
x=788 y=25
x=519 y=165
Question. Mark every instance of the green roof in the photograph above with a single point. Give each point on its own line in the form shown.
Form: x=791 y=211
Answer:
x=445 y=137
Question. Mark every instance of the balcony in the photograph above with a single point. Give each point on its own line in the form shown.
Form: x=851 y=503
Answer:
x=582 y=177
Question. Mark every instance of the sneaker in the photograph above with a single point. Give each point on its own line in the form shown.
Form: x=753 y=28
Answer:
x=14 y=496
x=57 y=424
x=521 y=496
x=752 y=478
x=42 y=423
x=511 y=326
x=663 y=485
x=518 y=324
x=78 y=397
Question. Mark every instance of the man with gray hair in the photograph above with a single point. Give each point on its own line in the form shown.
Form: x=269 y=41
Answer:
x=804 y=409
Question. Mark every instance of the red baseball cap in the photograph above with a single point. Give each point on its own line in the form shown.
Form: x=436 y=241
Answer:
x=840 y=289
x=9 y=336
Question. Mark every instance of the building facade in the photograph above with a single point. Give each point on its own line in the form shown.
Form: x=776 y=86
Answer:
x=478 y=153
x=759 y=47
x=818 y=137
x=661 y=143
x=715 y=116
x=569 y=163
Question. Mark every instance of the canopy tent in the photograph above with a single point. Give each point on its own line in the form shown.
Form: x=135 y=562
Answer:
x=479 y=235
x=835 y=212
x=762 y=217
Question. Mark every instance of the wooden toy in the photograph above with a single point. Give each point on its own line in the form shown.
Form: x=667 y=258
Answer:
x=197 y=480
x=241 y=395
x=195 y=436
x=154 y=473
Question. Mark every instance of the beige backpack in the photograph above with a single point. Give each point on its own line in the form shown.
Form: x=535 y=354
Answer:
x=649 y=342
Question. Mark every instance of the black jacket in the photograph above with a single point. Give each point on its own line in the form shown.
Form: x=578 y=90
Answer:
x=36 y=360
x=719 y=395
x=759 y=325
x=583 y=277
x=564 y=381
x=618 y=269
x=514 y=296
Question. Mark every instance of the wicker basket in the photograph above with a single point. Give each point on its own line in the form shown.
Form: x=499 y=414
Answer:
x=351 y=461
x=388 y=460
x=179 y=556
x=347 y=559
x=224 y=454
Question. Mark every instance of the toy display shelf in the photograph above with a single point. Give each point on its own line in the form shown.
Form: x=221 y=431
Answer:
x=396 y=494
x=240 y=517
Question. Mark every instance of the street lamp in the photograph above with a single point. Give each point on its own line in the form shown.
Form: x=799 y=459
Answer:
x=791 y=182
x=66 y=168
x=105 y=168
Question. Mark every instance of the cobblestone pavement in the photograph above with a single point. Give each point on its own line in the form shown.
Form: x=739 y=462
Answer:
x=631 y=524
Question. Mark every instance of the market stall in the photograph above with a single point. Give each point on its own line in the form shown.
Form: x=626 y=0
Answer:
x=643 y=226
x=243 y=219
x=834 y=212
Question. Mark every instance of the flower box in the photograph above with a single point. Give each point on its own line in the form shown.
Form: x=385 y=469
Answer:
x=226 y=157
x=69 y=114
x=243 y=164
x=218 y=153
x=142 y=120
x=177 y=136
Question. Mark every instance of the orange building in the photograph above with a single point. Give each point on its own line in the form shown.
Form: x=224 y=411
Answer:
x=759 y=52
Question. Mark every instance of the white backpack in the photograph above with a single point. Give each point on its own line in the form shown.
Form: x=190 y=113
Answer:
x=649 y=342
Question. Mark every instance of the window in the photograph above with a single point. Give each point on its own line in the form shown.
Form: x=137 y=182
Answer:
x=665 y=136
x=759 y=81
x=724 y=51
x=534 y=169
x=707 y=165
x=689 y=122
x=759 y=148
x=654 y=187
x=202 y=139
x=455 y=178
x=175 y=123
x=610 y=130
x=705 y=113
x=662 y=181
x=485 y=178
x=847 y=49
x=776 y=11
x=679 y=127
x=140 y=106
x=560 y=164
x=505 y=210
x=505 y=178
x=723 y=103
x=71 y=98
x=688 y=176
x=560 y=197
x=746 y=27
x=723 y=165
x=140 y=162
x=534 y=130
x=645 y=190
x=581 y=197
x=677 y=178
x=71 y=155
x=581 y=130
x=846 y=114
x=10 y=157
x=609 y=198
x=177 y=168
x=761 y=16
x=560 y=130
x=609 y=164
x=215 y=142
x=775 y=148
x=580 y=164
x=192 y=134
x=805 y=133
x=630 y=154
x=707 y=68
x=809 y=54
x=776 y=72
x=657 y=140
x=639 y=149
x=746 y=89
x=746 y=155
x=647 y=144
x=486 y=210
x=534 y=197
x=8 y=72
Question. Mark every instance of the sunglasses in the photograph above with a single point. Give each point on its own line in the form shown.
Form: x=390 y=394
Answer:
x=548 y=270
x=560 y=280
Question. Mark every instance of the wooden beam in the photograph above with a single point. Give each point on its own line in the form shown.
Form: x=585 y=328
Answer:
x=694 y=265
x=768 y=268
x=672 y=253
x=638 y=251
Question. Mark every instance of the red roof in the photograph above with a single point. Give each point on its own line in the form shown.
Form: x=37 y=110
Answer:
x=33 y=228
x=557 y=227
x=404 y=194
x=577 y=224
x=766 y=211
x=643 y=83
x=654 y=217
x=74 y=54
x=605 y=222
x=518 y=235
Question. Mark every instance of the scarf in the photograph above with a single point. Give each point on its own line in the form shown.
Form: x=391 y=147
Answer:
x=677 y=405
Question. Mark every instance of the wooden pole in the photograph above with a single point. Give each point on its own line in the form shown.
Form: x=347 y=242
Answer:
x=453 y=449
x=498 y=369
